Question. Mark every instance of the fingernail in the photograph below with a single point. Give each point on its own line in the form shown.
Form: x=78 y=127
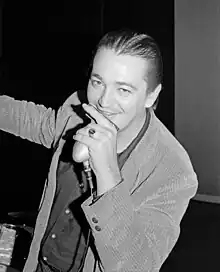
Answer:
x=88 y=116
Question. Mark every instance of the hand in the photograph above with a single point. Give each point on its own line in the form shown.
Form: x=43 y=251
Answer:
x=102 y=149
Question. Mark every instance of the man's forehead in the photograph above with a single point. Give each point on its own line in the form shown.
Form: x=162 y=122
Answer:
x=111 y=54
x=107 y=59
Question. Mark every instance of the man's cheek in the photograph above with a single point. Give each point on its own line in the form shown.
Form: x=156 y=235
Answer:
x=91 y=97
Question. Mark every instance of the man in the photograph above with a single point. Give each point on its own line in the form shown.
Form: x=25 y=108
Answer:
x=142 y=175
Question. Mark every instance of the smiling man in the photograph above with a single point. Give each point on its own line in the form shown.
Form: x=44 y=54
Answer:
x=119 y=91
x=143 y=177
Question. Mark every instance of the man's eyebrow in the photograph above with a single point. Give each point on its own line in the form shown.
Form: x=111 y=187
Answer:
x=96 y=75
x=126 y=84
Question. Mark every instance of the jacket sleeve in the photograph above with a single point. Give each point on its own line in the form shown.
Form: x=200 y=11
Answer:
x=27 y=120
x=137 y=231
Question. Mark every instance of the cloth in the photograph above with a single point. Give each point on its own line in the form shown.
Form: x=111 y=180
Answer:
x=64 y=241
x=137 y=223
x=40 y=125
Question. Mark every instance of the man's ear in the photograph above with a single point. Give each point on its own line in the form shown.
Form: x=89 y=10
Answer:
x=152 y=96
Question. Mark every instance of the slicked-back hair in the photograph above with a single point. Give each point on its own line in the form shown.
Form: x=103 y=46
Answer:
x=132 y=43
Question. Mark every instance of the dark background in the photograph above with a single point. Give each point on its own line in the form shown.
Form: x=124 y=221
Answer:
x=46 y=48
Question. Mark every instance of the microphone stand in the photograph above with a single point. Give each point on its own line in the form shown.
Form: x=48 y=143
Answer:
x=88 y=173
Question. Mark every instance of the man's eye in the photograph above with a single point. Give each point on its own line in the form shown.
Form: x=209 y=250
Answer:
x=123 y=90
x=96 y=82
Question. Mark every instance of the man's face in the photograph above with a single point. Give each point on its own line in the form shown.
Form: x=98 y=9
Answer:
x=117 y=87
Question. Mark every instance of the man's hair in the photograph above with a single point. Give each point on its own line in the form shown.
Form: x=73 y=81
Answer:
x=132 y=43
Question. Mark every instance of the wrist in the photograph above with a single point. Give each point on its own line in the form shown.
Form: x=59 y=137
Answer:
x=107 y=182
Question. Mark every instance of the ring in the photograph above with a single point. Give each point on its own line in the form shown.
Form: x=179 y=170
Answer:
x=91 y=132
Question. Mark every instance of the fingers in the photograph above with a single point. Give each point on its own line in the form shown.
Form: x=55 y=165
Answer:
x=99 y=136
x=84 y=138
x=98 y=131
x=100 y=119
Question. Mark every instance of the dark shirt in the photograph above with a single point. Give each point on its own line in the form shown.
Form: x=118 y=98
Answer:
x=64 y=242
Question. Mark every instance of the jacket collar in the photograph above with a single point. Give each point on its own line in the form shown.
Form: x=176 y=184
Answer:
x=66 y=117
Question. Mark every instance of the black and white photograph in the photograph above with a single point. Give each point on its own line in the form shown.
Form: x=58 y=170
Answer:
x=109 y=136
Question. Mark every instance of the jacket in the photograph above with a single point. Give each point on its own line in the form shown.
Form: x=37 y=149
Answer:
x=137 y=223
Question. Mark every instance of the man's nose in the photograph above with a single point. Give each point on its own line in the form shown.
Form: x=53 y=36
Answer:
x=106 y=98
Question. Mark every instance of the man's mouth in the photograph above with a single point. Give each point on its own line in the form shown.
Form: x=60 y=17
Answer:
x=106 y=113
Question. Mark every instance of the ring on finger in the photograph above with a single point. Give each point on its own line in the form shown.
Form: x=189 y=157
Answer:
x=91 y=132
